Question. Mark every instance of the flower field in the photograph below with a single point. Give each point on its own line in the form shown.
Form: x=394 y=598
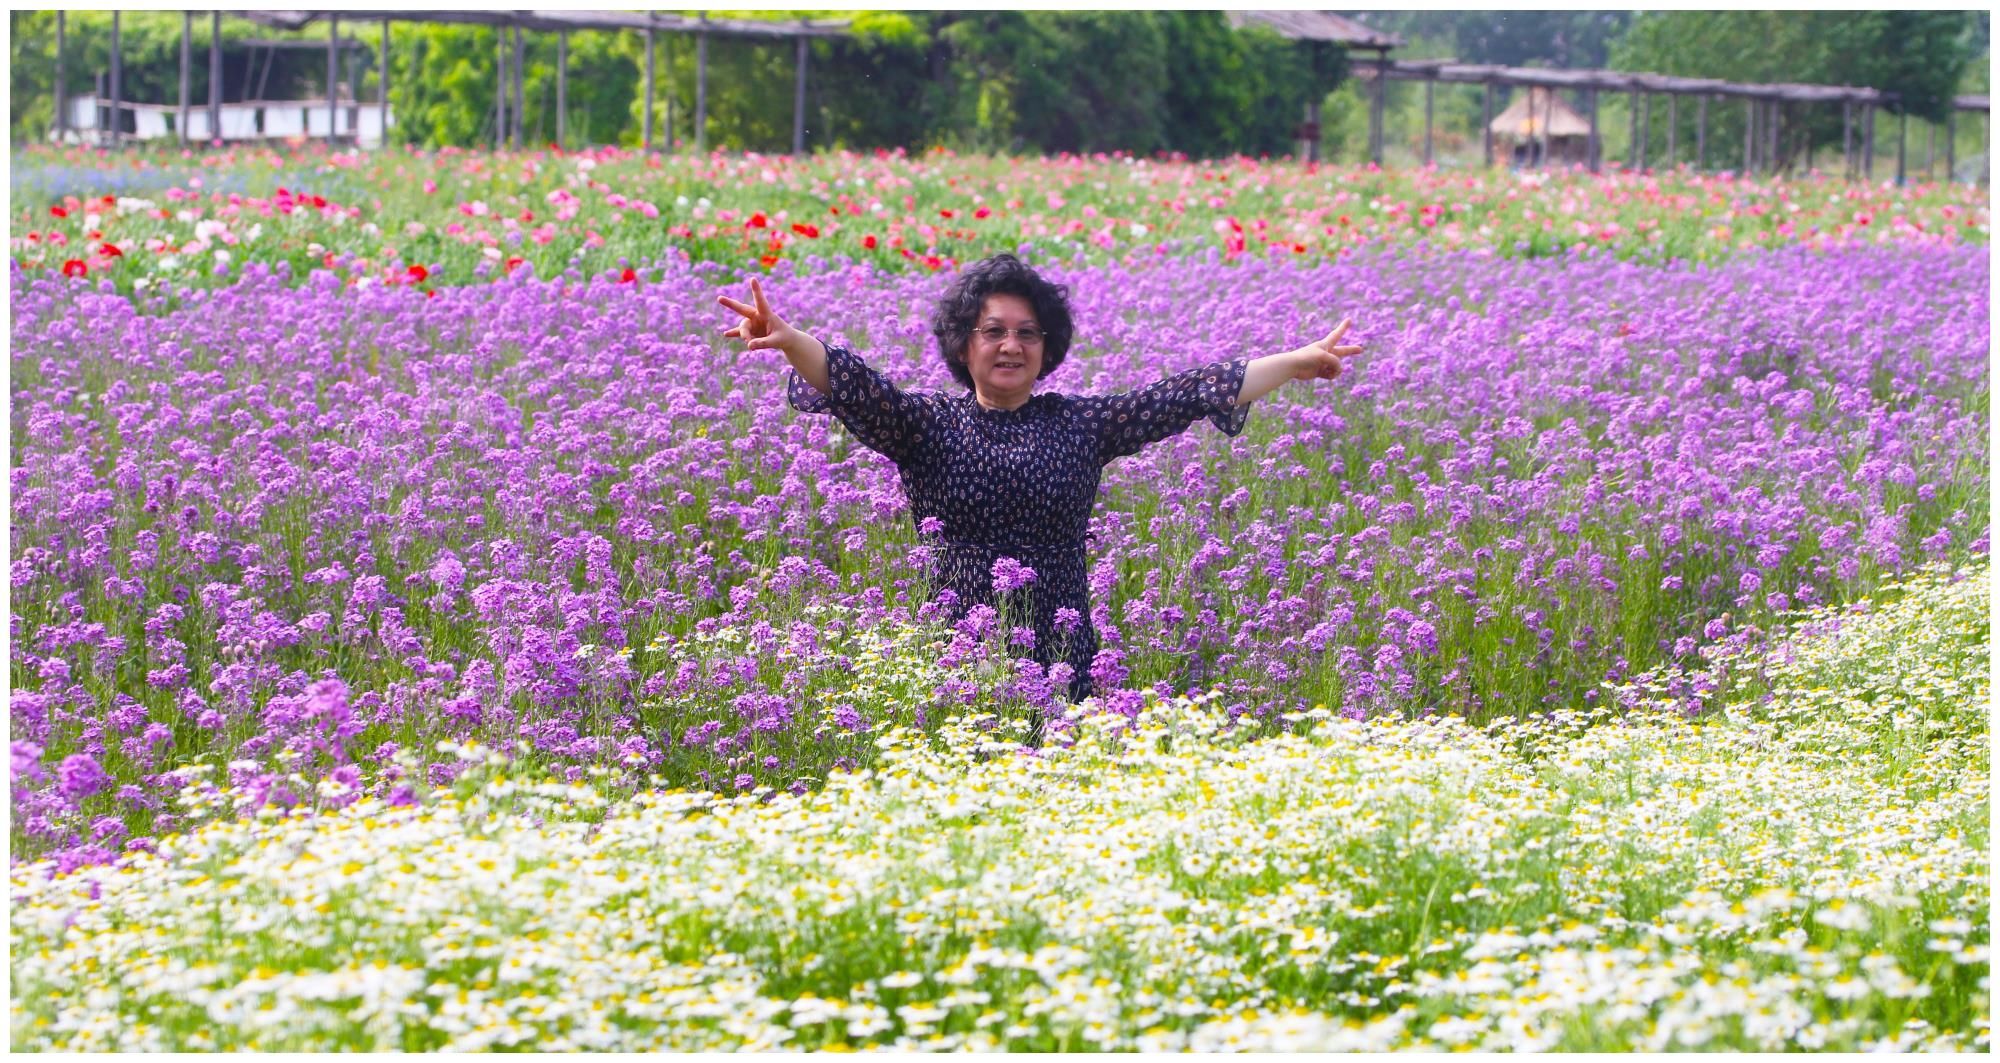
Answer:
x=428 y=631
x=1807 y=868
x=453 y=218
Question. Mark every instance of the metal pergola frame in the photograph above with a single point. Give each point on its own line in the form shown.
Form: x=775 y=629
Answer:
x=513 y=22
x=1762 y=100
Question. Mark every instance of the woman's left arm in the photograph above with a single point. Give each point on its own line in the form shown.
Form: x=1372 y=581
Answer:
x=1322 y=360
x=1125 y=423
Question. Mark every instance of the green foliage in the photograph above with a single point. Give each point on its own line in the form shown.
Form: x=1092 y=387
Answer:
x=1920 y=55
x=999 y=80
x=1064 y=81
x=1509 y=38
x=149 y=44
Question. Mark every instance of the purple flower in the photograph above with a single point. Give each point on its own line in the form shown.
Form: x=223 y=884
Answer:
x=27 y=762
x=79 y=776
x=1010 y=575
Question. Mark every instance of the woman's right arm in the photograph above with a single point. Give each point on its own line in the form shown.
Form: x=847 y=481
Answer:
x=883 y=417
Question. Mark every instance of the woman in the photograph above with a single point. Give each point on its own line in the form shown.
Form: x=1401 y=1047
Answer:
x=1010 y=473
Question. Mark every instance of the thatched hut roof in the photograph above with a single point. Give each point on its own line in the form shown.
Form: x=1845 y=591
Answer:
x=1528 y=113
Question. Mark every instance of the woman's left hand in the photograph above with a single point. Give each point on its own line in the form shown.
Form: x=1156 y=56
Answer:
x=1324 y=360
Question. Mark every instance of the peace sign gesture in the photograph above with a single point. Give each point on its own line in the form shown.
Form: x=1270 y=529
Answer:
x=766 y=331
x=761 y=326
x=1324 y=359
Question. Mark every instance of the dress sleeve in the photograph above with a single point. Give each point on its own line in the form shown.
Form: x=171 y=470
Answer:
x=1126 y=422
x=885 y=418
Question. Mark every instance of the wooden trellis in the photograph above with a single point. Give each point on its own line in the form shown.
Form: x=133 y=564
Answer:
x=1761 y=104
x=508 y=124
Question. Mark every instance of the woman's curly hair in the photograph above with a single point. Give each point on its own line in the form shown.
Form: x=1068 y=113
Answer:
x=958 y=311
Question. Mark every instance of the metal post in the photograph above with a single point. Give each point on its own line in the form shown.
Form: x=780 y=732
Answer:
x=1700 y=133
x=1645 y=128
x=62 y=97
x=332 y=76
x=648 y=105
x=1749 y=136
x=562 y=90
x=520 y=107
x=1868 y=142
x=799 y=102
x=117 y=72
x=1902 y=140
x=1377 y=115
x=1549 y=129
x=701 y=87
x=1673 y=126
x=1486 y=127
x=1775 y=156
x=187 y=31
x=1951 y=144
x=382 y=86
x=215 y=77
x=1632 y=121
x=1847 y=138
x=1594 y=145
x=1430 y=91
x=499 y=89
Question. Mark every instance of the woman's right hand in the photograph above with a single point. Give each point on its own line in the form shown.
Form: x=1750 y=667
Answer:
x=764 y=330
x=761 y=326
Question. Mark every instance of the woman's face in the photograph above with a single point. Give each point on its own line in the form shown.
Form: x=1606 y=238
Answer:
x=1004 y=373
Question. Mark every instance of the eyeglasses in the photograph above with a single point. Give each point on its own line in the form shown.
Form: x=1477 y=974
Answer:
x=994 y=334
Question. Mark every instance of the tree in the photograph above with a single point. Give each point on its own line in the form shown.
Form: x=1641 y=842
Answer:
x=1574 y=39
x=1918 y=55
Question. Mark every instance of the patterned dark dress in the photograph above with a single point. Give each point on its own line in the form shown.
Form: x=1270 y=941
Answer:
x=1017 y=483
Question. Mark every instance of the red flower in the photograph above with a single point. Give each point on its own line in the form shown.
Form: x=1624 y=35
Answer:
x=933 y=262
x=430 y=293
x=59 y=212
x=527 y=215
x=868 y=241
x=757 y=221
x=835 y=210
x=109 y=200
x=110 y=251
x=320 y=202
x=982 y=213
x=514 y=261
x=768 y=261
x=810 y=232
x=284 y=193
x=75 y=268
x=93 y=235
x=630 y=276
x=418 y=274
x=945 y=214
